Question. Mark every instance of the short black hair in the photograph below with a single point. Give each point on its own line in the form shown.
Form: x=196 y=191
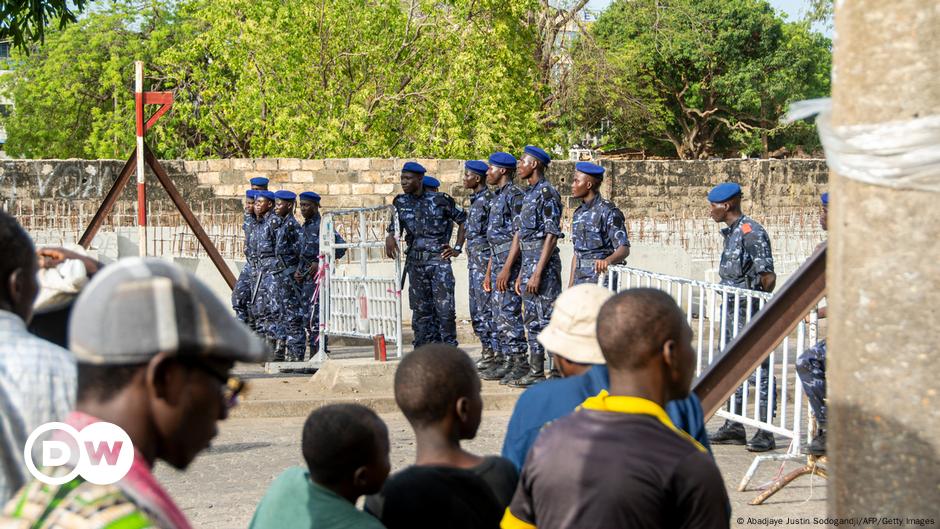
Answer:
x=430 y=380
x=102 y=383
x=18 y=250
x=339 y=438
x=633 y=325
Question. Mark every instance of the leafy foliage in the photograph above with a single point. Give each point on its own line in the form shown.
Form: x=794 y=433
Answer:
x=695 y=77
x=24 y=21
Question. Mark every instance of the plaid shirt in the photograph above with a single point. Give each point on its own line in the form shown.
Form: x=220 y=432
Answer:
x=37 y=385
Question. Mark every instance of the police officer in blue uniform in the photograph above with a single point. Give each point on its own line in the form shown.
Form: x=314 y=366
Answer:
x=538 y=228
x=478 y=258
x=264 y=241
x=427 y=218
x=241 y=294
x=503 y=269
x=308 y=249
x=746 y=262
x=259 y=183
x=431 y=184
x=811 y=367
x=285 y=304
x=598 y=229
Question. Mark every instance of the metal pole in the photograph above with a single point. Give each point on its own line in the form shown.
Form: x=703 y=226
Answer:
x=141 y=183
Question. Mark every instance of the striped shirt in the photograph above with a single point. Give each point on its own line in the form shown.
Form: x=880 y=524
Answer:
x=37 y=385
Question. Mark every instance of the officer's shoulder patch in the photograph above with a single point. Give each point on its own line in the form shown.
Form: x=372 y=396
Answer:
x=746 y=228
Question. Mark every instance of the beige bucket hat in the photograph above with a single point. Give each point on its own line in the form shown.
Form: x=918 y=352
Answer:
x=571 y=332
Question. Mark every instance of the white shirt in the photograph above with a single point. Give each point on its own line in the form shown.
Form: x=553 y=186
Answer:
x=38 y=380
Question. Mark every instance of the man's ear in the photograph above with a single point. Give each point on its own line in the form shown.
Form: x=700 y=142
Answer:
x=462 y=407
x=670 y=354
x=165 y=378
x=15 y=286
x=361 y=477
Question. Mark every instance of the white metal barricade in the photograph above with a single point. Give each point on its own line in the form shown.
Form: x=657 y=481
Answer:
x=714 y=312
x=357 y=303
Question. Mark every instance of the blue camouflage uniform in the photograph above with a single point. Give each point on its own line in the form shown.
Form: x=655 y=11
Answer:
x=308 y=245
x=478 y=257
x=811 y=367
x=265 y=240
x=426 y=221
x=745 y=257
x=597 y=230
x=540 y=216
x=507 y=306
x=285 y=304
x=241 y=294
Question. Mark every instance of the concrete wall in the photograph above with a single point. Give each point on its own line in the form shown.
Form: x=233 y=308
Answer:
x=643 y=189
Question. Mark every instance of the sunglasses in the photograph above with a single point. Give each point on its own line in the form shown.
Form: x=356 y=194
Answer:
x=230 y=386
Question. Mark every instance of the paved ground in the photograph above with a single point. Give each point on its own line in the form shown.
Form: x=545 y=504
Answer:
x=222 y=487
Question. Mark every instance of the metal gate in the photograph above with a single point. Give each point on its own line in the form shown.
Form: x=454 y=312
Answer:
x=355 y=303
x=713 y=311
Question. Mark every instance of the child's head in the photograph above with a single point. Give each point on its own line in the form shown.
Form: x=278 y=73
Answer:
x=346 y=446
x=438 y=382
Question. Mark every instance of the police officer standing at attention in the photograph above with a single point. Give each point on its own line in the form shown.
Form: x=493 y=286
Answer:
x=308 y=250
x=746 y=262
x=538 y=228
x=241 y=294
x=265 y=239
x=503 y=269
x=285 y=303
x=598 y=231
x=426 y=218
x=478 y=258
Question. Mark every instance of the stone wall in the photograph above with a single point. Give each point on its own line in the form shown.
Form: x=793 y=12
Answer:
x=643 y=189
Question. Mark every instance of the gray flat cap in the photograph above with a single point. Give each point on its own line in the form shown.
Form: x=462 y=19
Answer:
x=136 y=308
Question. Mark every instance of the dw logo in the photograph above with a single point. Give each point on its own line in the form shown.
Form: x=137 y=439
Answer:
x=102 y=453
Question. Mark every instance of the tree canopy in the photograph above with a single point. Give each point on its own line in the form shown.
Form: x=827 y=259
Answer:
x=24 y=21
x=417 y=78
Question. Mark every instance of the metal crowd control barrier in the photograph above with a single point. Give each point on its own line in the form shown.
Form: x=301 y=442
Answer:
x=358 y=305
x=714 y=325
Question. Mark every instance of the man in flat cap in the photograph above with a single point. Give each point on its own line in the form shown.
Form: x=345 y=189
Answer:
x=598 y=230
x=259 y=183
x=538 y=228
x=155 y=348
x=241 y=294
x=746 y=262
x=308 y=250
x=503 y=269
x=478 y=258
x=427 y=218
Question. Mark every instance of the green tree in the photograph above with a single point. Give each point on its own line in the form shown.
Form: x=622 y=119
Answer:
x=24 y=21
x=73 y=96
x=695 y=78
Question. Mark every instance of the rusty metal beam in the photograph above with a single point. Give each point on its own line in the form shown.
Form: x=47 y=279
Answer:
x=768 y=328
x=105 y=208
x=190 y=218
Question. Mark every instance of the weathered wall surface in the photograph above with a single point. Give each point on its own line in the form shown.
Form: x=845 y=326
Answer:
x=643 y=189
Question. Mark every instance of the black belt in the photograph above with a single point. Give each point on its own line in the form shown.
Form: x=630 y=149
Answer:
x=499 y=249
x=532 y=245
x=416 y=256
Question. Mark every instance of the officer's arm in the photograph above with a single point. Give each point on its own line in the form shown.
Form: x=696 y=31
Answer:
x=513 y=252
x=551 y=241
x=461 y=234
x=619 y=255
x=571 y=272
x=768 y=280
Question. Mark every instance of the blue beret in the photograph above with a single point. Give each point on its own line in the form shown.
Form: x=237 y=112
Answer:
x=723 y=192
x=413 y=167
x=591 y=169
x=251 y=193
x=285 y=195
x=476 y=166
x=259 y=181
x=430 y=181
x=503 y=159
x=538 y=153
x=266 y=194
x=825 y=199
x=310 y=195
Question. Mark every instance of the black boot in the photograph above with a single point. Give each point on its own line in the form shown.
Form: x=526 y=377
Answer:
x=535 y=375
x=487 y=360
x=761 y=442
x=817 y=447
x=499 y=369
x=280 y=351
x=520 y=367
x=730 y=433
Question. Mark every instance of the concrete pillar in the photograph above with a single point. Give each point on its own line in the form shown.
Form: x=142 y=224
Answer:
x=884 y=276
